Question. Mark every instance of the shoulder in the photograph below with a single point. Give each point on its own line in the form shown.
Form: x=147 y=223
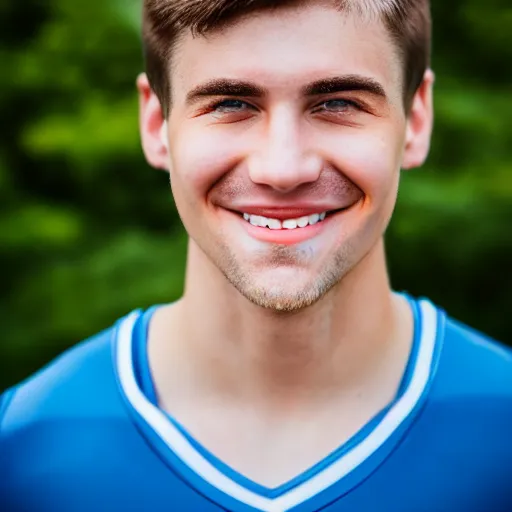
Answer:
x=472 y=363
x=79 y=385
x=52 y=423
x=69 y=423
x=471 y=389
x=460 y=438
x=65 y=385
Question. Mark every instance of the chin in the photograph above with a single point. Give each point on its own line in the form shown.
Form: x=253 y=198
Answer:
x=283 y=278
x=281 y=300
x=284 y=289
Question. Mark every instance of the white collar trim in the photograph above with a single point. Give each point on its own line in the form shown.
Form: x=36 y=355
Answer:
x=321 y=480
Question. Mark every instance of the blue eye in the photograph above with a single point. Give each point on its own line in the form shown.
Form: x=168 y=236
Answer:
x=337 y=105
x=228 y=106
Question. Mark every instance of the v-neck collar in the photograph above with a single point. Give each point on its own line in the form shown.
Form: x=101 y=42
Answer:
x=344 y=468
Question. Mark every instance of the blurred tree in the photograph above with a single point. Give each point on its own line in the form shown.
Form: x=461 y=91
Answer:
x=88 y=231
x=450 y=238
x=84 y=224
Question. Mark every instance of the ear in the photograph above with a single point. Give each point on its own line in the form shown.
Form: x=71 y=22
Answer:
x=152 y=125
x=419 y=124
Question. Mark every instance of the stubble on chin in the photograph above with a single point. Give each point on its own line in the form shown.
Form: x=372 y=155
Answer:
x=290 y=296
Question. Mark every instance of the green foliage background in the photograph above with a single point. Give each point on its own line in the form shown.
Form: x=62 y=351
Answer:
x=88 y=231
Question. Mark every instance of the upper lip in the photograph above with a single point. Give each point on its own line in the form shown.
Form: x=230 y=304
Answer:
x=284 y=212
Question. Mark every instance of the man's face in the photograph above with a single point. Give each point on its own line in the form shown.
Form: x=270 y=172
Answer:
x=286 y=137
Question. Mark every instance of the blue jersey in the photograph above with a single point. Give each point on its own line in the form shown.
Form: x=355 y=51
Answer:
x=86 y=434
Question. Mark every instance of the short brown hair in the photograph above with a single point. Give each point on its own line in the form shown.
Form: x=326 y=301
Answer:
x=408 y=22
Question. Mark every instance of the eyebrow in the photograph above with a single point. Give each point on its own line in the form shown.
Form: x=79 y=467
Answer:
x=231 y=87
x=224 y=87
x=343 y=84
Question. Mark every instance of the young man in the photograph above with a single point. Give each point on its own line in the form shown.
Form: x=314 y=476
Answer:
x=289 y=377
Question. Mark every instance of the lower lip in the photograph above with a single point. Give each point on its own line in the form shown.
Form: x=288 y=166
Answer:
x=285 y=236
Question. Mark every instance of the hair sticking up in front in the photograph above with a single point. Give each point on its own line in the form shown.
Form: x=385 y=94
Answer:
x=407 y=21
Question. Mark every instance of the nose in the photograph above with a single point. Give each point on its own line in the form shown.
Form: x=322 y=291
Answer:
x=281 y=161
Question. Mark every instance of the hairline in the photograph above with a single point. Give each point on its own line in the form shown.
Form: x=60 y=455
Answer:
x=390 y=13
x=181 y=37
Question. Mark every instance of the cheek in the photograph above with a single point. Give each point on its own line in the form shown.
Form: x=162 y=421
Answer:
x=200 y=157
x=371 y=160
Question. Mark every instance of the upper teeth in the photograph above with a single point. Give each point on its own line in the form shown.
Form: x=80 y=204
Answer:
x=300 y=222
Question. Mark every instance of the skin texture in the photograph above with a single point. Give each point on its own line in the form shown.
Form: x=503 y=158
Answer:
x=269 y=335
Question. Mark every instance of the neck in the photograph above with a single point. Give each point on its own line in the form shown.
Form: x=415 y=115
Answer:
x=227 y=346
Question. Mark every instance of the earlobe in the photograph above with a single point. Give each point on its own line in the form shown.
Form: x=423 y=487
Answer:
x=152 y=125
x=419 y=124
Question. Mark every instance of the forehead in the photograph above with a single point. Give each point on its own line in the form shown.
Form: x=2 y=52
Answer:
x=286 y=47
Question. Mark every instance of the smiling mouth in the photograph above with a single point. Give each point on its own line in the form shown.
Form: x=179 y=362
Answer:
x=288 y=224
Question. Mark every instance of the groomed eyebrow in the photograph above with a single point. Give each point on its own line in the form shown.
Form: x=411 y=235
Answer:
x=331 y=85
x=343 y=84
x=224 y=87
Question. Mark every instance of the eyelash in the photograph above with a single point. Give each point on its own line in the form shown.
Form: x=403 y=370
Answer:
x=213 y=108
x=348 y=103
x=221 y=103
